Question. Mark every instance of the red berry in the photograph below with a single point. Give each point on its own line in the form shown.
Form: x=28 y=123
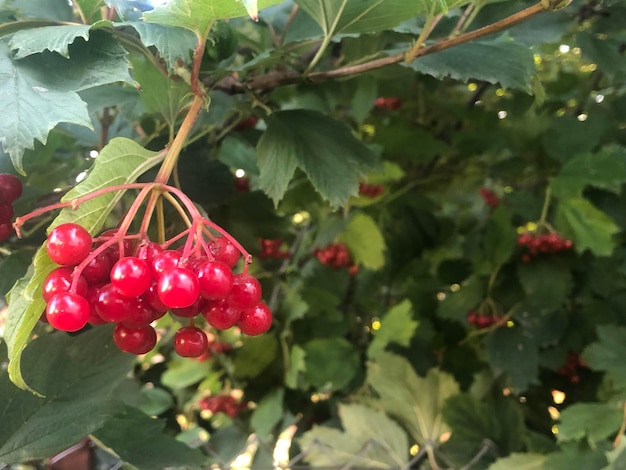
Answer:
x=152 y=297
x=60 y=280
x=6 y=230
x=131 y=276
x=6 y=213
x=246 y=123
x=216 y=280
x=190 y=341
x=10 y=188
x=246 y=291
x=149 y=251
x=67 y=311
x=98 y=269
x=91 y=295
x=256 y=320
x=68 y=244
x=189 y=312
x=164 y=262
x=134 y=340
x=113 y=306
x=178 y=288
x=221 y=315
x=142 y=315
x=223 y=250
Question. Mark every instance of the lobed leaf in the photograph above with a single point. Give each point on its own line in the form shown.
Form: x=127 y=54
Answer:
x=78 y=376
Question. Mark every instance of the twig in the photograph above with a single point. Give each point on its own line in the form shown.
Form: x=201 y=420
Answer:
x=282 y=77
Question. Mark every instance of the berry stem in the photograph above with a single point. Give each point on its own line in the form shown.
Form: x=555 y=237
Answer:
x=544 y=210
x=178 y=208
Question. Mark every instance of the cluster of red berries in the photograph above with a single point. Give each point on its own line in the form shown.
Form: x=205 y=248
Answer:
x=391 y=103
x=482 y=321
x=571 y=366
x=544 y=243
x=491 y=199
x=371 y=190
x=10 y=191
x=270 y=248
x=337 y=256
x=131 y=281
x=226 y=404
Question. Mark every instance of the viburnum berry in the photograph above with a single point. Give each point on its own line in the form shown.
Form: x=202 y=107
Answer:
x=10 y=188
x=68 y=244
x=134 y=340
x=215 y=279
x=191 y=311
x=131 y=276
x=391 y=103
x=60 y=280
x=178 y=288
x=271 y=249
x=98 y=270
x=67 y=311
x=113 y=306
x=190 y=341
x=223 y=250
x=256 y=320
x=6 y=213
x=164 y=262
x=537 y=244
x=491 y=199
x=247 y=123
x=246 y=291
x=221 y=314
x=371 y=190
x=6 y=230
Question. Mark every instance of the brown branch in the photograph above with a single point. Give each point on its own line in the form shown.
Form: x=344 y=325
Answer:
x=282 y=77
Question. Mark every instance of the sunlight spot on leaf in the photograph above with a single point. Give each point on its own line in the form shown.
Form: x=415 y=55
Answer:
x=81 y=176
x=564 y=48
x=414 y=450
x=240 y=173
x=502 y=114
x=375 y=324
x=599 y=98
x=441 y=295
x=445 y=437
x=455 y=287
x=500 y=92
x=93 y=153
x=472 y=87
x=555 y=429
x=582 y=117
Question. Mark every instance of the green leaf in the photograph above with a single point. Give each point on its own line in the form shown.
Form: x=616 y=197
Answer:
x=40 y=90
x=567 y=136
x=12 y=268
x=605 y=169
x=524 y=461
x=365 y=241
x=575 y=455
x=78 y=376
x=414 y=401
x=51 y=38
x=617 y=457
x=155 y=400
x=587 y=226
x=596 y=421
x=173 y=43
x=58 y=10
x=515 y=352
x=494 y=61
x=607 y=354
x=322 y=147
x=497 y=418
x=255 y=355
x=297 y=365
x=198 y=15
x=183 y=372
x=121 y=161
x=500 y=237
x=367 y=16
x=140 y=441
x=331 y=363
x=396 y=326
x=160 y=94
x=457 y=304
x=31 y=108
x=268 y=412
x=545 y=283
x=370 y=439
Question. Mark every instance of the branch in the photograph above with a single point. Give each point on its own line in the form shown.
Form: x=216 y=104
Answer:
x=282 y=77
